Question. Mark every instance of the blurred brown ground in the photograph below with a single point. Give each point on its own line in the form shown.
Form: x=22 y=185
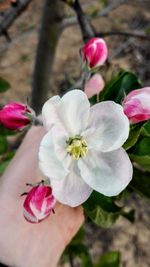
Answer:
x=16 y=66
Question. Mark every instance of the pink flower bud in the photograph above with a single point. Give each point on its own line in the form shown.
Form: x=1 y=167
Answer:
x=136 y=105
x=94 y=86
x=38 y=203
x=14 y=116
x=94 y=52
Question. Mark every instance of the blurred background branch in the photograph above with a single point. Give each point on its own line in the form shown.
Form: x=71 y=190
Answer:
x=136 y=34
x=71 y=21
x=48 y=38
x=83 y=20
x=11 y=14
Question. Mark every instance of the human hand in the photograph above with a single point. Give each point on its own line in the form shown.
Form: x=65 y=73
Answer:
x=23 y=244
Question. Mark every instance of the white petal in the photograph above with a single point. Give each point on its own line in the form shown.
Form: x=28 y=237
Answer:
x=71 y=190
x=49 y=112
x=107 y=173
x=71 y=112
x=108 y=127
x=59 y=141
x=49 y=163
x=38 y=214
x=74 y=111
x=29 y=217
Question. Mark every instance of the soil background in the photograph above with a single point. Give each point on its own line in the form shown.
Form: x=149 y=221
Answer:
x=17 y=63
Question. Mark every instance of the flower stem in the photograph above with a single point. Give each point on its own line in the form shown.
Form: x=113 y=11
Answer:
x=85 y=77
x=71 y=258
x=37 y=121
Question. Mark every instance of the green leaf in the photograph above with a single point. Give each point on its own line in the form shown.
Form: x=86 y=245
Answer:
x=93 y=100
x=4 y=85
x=101 y=210
x=78 y=238
x=141 y=183
x=133 y=136
x=77 y=248
x=110 y=259
x=143 y=161
x=3 y=144
x=102 y=218
x=5 y=132
x=3 y=166
x=81 y=251
x=145 y=131
x=129 y=215
x=141 y=153
x=142 y=148
x=86 y=262
x=120 y=86
x=97 y=199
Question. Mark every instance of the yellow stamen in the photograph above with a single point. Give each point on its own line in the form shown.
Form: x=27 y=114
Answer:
x=77 y=147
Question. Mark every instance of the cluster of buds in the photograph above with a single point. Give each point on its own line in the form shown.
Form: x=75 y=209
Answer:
x=17 y=116
x=136 y=104
x=39 y=203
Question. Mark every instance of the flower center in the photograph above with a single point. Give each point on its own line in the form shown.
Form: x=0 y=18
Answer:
x=77 y=147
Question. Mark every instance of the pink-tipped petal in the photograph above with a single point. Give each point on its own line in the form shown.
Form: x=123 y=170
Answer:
x=38 y=203
x=94 y=86
x=14 y=116
x=95 y=52
x=136 y=105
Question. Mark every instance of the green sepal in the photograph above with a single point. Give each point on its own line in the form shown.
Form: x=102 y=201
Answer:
x=3 y=144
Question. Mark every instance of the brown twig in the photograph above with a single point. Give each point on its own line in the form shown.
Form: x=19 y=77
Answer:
x=86 y=27
x=113 y=5
x=127 y=34
x=11 y=14
x=71 y=21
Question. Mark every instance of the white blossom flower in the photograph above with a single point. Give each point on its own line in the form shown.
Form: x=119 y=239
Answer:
x=82 y=148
